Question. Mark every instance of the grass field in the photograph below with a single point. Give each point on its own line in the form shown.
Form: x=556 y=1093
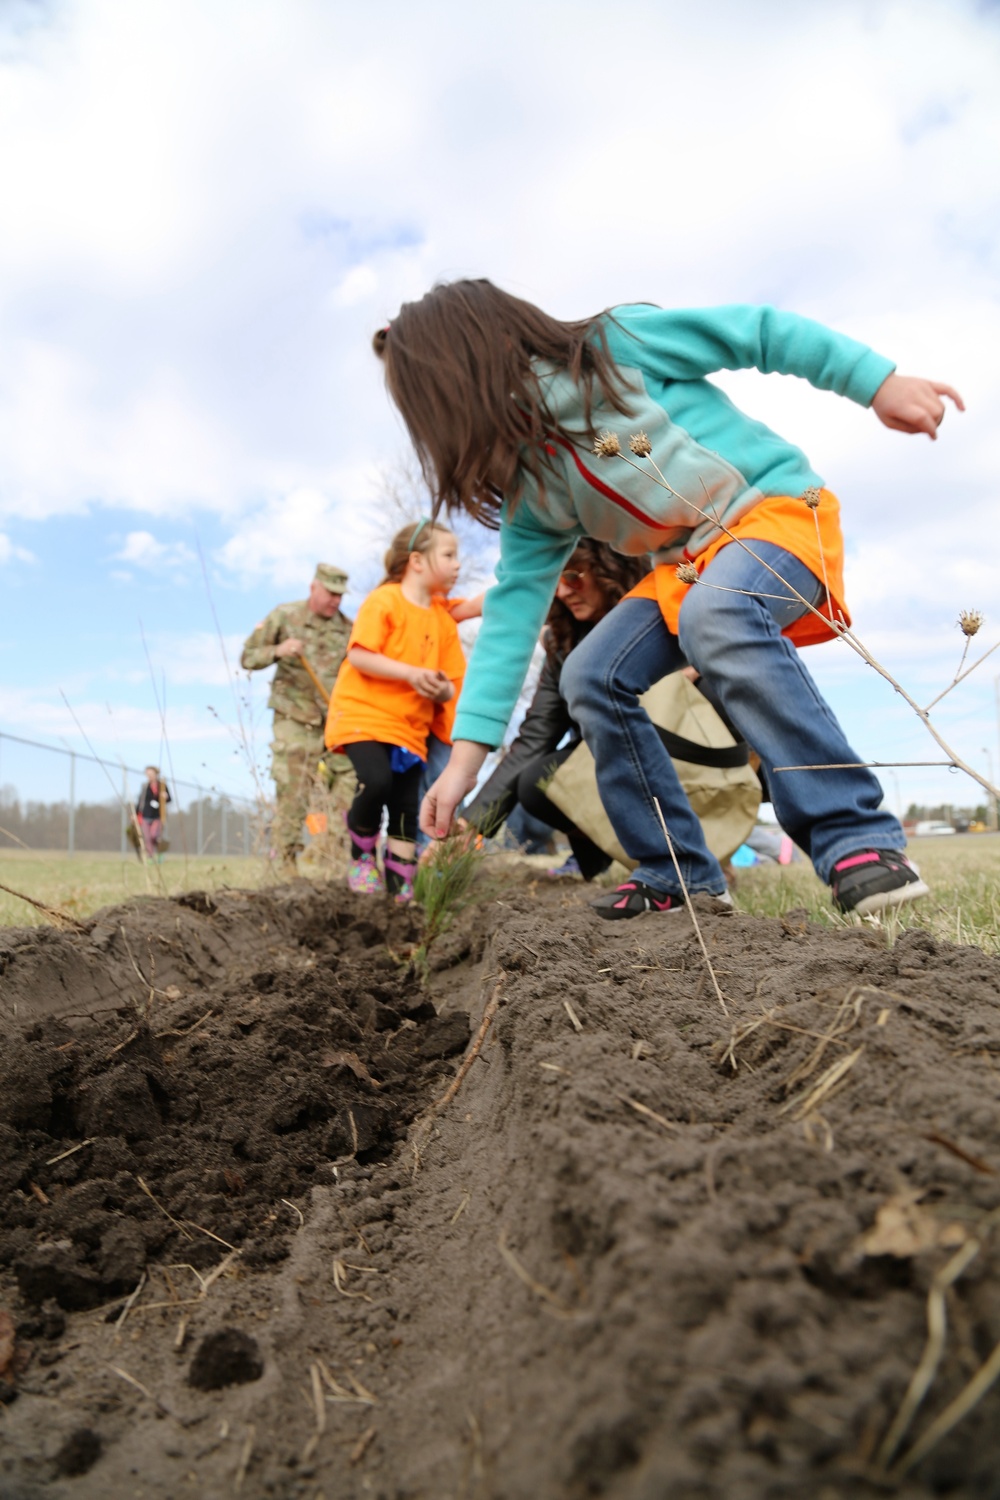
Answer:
x=79 y=886
x=963 y=873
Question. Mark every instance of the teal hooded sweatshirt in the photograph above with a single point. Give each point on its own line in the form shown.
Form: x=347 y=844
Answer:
x=718 y=460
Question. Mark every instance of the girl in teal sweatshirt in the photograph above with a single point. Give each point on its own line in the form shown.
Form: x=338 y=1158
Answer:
x=504 y=405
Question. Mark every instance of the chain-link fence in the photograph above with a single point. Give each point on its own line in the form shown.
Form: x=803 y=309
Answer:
x=91 y=804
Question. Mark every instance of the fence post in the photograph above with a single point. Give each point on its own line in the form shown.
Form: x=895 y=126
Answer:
x=246 y=832
x=71 y=831
x=224 y=807
x=201 y=820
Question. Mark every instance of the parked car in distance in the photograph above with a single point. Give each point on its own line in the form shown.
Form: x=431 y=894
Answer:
x=926 y=828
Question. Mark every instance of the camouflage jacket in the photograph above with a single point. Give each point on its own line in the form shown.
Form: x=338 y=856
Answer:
x=325 y=642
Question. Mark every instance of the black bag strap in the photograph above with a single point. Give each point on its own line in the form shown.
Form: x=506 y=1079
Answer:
x=726 y=758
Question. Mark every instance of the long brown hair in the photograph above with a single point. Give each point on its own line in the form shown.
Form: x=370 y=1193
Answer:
x=614 y=575
x=415 y=536
x=458 y=367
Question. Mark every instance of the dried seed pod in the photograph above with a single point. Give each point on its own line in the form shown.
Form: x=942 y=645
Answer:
x=811 y=496
x=970 y=620
x=640 y=445
x=687 y=572
x=607 y=445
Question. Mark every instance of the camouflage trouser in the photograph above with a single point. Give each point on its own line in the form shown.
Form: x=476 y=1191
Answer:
x=296 y=752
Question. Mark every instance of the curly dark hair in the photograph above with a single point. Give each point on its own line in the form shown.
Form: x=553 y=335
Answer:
x=614 y=574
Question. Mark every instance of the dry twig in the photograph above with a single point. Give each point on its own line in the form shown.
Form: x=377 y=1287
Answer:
x=643 y=1109
x=969 y=1397
x=362 y=1445
x=246 y=1453
x=549 y=1297
x=923 y=1375
x=473 y=1052
x=829 y=1082
x=687 y=900
x=57 y=917
x=574 y=1018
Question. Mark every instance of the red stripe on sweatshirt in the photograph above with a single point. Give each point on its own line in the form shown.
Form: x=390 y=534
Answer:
x=606 y=490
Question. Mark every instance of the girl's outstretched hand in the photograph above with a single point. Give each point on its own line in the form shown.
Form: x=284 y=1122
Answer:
x=437 y=811
x=908 y=404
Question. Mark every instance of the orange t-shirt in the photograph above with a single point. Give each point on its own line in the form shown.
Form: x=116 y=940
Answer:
x=789 y=523
x=383 y=709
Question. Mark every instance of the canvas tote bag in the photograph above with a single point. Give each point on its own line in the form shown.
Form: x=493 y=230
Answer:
x=724 y=792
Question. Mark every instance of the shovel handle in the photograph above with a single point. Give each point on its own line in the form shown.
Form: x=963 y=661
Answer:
x=315 y=681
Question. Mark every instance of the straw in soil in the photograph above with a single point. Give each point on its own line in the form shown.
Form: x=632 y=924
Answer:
x=923 y=1375
x=548 y=1297
x=687 y=900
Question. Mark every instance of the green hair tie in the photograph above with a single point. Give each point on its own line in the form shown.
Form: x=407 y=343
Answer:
x=424 y=521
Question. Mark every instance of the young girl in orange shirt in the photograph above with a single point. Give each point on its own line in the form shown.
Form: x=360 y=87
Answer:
x=398 y=683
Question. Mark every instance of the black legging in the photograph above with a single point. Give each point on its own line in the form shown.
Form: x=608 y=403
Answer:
x=380 y=786
x=592 y=860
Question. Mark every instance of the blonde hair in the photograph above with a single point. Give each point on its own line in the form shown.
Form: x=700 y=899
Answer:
x=415 y=537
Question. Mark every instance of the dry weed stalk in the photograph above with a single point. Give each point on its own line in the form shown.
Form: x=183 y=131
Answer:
x=608 y=446
x=246 y=1453
x=969 y=1397
x=847 y=1017
x=575 y=1021
x=473 y=1052
x=923 y=1375
x=549 y=1298
x=60 y=919
x=829 y=1083
x=650 y=1114
x=687 y=902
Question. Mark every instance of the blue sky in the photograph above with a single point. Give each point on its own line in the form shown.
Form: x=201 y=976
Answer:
x=211 y=207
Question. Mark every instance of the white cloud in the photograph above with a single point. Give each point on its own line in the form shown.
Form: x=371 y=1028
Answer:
x=198 y=659
x=283 y=539
x=142 y=550
x=10 y=552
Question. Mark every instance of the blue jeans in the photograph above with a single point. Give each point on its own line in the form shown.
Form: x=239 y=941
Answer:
x=735 y=641
x=438 y=755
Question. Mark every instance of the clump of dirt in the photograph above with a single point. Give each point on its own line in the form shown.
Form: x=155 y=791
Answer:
x=647 y=1249
x=227 y=1357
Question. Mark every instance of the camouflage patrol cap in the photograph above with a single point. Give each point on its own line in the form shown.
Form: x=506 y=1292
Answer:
x=331 y=577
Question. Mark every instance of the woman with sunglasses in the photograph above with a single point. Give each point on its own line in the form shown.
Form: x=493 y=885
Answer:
x=592 y=583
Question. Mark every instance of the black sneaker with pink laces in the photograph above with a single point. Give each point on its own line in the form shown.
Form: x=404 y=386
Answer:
x=632 y=899
x=873 y=880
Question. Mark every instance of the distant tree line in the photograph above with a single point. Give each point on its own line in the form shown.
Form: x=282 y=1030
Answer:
x=97 y=826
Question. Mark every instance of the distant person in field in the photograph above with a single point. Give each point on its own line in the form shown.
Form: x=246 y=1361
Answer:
x=397 y=689
x=314 y=629
x=151 y=811
x=525 y=422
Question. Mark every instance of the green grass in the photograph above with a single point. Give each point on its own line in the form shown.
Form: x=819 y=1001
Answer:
x=963 y=873
x=79 y=886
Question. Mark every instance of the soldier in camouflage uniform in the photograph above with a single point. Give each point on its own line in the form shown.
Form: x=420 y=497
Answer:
x=316 y=629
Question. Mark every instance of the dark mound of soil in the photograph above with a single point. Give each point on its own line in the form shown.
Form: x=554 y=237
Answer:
x=176 y=1129
x=226 y=1357
x=646 y=1250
